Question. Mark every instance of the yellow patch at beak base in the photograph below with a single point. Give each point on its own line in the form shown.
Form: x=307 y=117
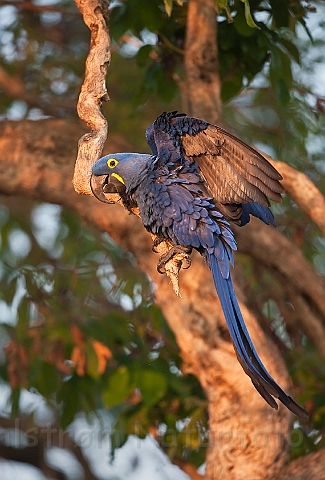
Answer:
x=120 y=179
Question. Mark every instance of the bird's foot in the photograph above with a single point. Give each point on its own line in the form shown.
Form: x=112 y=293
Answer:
x=179 y=254
x=172 y=259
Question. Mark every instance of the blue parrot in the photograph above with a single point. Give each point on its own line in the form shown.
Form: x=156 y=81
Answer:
x=199 y=178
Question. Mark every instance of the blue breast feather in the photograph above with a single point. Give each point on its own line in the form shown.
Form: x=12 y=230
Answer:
x=173 y=206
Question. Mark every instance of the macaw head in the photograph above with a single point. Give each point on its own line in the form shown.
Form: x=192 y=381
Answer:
x=118 y=173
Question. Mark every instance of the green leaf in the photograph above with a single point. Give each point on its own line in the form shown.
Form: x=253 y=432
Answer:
x=45 y=386
x=241 y=25
x=222 y=3
x=11 y=288
x=143 y=55
x=248 y=15
x=282 y=91
x=231 y=88
x=169 y=5
x=153 y=386
x=69 y=395
x=119 y=387
x=281 y=74
x=291 y=48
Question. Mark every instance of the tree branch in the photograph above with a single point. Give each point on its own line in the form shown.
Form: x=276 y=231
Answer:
x=201 y=87
x=275 y=251
x=310 y=467
x=15 y=89
x=241 y=430
x=201 y=90
x=43 y=438
x=302 y=190
x=189 y=469
x=93 y=92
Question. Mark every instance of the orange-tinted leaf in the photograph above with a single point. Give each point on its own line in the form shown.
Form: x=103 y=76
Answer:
x=103 y=353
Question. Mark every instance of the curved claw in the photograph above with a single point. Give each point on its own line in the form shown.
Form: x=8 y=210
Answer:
x=176 y=250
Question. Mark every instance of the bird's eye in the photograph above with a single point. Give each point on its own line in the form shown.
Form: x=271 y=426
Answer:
x=112 y=162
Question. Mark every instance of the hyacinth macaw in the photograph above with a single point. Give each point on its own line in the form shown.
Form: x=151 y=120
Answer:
x=199 y=178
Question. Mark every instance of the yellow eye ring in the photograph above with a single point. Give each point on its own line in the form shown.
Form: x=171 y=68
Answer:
x=112 y=162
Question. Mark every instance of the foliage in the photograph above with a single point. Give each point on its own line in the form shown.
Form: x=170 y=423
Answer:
x=309 y=372
x=245 y=45
x=84 y=317
x=44 y=51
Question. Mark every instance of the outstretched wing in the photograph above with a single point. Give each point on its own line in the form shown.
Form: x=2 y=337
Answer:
x=234 y=172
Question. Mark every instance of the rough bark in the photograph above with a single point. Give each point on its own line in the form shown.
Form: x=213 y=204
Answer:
x=201 y=87
x=42 y=438
x=36 y=160
x=235 y=451
x=93 y=93
x=277 y=253
x=310 y=467
x=312 y=201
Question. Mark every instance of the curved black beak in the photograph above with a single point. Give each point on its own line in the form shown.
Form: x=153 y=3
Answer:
x=106 y=184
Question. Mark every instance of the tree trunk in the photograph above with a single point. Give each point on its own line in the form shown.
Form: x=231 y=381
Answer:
x=238 y=432
x=201 y=87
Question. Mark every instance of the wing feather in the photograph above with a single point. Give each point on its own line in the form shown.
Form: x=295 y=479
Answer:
x=228 y=184
x=242 y=150
x=219 y=154
x=234 y=171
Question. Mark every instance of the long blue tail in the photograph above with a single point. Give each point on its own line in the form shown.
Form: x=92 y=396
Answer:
x=245 y=350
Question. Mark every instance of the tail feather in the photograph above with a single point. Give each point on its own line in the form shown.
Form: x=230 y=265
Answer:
x=263 y=213
x=245 y=350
